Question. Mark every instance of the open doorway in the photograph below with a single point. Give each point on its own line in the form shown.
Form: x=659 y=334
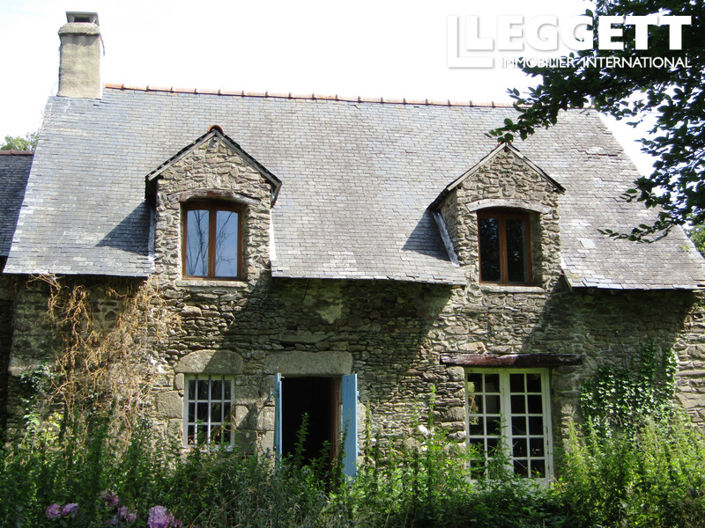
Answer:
x=330 y=402
x=318 y=398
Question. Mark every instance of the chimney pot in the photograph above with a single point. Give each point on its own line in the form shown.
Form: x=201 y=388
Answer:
x=82 y=17
x=79 y=63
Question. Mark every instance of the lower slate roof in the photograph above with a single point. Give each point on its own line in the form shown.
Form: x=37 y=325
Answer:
x=14 y=171
x=357 y=178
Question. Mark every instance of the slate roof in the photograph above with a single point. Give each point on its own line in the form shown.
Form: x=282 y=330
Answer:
x=357 y=178
x=14 y=171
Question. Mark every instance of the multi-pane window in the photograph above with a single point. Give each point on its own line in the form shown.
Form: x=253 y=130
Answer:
x=504 y=246
x=212 y=241
x=208 y=410
x=509 y=410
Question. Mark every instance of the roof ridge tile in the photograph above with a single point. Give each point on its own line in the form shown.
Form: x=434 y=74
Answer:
x=308 y=97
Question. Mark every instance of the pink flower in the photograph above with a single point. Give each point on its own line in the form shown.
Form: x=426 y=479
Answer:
x=53 y=511
x=70 y=510
x=126 y=515
x=110 y=498
x=159 y=517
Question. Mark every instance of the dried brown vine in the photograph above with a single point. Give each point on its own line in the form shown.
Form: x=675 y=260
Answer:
x=105 y=360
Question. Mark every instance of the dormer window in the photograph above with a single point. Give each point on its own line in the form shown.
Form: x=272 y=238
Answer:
x=504 y=237
x=212 y=240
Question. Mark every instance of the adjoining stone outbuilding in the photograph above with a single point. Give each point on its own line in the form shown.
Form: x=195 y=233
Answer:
x=349 y=260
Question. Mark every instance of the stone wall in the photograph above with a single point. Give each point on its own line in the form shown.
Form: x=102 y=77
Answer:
x=6 y=310
x=392 y=334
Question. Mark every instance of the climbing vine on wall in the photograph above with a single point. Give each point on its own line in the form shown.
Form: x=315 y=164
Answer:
x=622 y=398
x=104 y=359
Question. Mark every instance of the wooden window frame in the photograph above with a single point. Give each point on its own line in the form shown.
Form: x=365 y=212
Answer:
x=506 y=437
x=212 y=206
x=502 y=215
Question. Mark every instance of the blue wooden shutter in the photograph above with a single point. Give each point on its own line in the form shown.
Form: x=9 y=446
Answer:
x=349 y=390
x=278 y=415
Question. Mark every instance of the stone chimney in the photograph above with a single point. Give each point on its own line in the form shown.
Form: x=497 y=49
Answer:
x=79 y=63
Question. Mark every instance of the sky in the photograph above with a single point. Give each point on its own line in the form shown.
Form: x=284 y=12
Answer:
x=390 y=49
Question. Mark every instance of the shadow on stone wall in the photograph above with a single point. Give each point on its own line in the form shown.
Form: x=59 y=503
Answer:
x=607 y=327
x=379 y=329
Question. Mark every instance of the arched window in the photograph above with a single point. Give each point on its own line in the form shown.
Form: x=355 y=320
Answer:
x=505 y=246
x=212 y=239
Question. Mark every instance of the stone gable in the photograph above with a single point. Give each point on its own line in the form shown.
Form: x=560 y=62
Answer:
x=212 y=170
x=506 y=181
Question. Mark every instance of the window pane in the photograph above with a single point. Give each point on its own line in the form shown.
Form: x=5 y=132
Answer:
x=226 y=244
x=202 y=434
x=489 y=249
x=519 y=425
x=520 y=468
x=534 y=403
x=519 y=448
x=492 y=404
x=535 y=425
x=476 y=426
x=203 y=389
x=517 y=268
x=516 y=382
x=477 y=446
x=518 y=404
x=474 y=403
x=197 y=243
x=475 y=382
x=492 y=445
x=216 y=435
x=216 y=410
x=492 y=383
x=538 y=468
x=493 y=426
x=216 y=390
x=533 y=382
x=536 y=447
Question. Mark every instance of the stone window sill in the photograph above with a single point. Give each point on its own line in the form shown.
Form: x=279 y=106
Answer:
x=507 y=288
x=205 y=283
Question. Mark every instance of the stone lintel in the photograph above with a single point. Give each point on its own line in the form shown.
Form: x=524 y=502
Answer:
x=210 y=362
x=299 y=363
x=222 y=194
x=512 y=360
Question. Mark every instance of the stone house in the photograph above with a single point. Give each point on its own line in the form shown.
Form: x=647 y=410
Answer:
x=345 y=259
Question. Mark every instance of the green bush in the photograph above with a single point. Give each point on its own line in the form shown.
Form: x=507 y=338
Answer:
x=424 y=484
x=654 y=478
x=217 y=488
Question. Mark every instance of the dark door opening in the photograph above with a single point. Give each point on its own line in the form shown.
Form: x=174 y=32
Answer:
x=319 y=399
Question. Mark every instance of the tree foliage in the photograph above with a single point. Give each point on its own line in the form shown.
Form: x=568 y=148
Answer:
x=675 y=97
x=697 y=235
x=29 y=142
